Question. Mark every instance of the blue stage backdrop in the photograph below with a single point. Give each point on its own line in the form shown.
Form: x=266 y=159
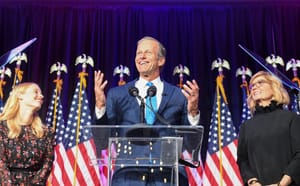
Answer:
x=194 y=33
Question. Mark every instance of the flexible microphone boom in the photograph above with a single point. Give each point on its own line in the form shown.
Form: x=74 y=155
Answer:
x=151 y=91
x=134 y=92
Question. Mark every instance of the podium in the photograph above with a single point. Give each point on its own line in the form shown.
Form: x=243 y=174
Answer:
x=146 y=154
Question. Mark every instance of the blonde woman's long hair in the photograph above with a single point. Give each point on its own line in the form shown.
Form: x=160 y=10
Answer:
x=12 y=108
x=280 y=94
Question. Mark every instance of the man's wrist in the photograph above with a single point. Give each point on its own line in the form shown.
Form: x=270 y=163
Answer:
x=194 y=112
x=99 y=105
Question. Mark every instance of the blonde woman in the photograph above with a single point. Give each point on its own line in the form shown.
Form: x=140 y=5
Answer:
x=26 y=145
x=269 y=143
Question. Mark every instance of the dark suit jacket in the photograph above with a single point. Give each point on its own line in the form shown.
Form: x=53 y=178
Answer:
x=123 y=109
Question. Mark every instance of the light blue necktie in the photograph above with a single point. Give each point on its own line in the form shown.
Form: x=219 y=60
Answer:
x=152 y=102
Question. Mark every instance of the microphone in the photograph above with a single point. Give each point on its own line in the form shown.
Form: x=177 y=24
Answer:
x=151 y=91
x=133 y=91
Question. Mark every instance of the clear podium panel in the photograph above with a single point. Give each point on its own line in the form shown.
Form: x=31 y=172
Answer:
x=151 y=153
x=147 y=156
x=130 y=151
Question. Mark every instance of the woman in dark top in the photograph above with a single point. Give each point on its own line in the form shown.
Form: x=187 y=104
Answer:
x=269 y=143
x=26 y=145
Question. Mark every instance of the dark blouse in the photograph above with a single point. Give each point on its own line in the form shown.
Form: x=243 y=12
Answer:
x=26 y=160
x=269 y=145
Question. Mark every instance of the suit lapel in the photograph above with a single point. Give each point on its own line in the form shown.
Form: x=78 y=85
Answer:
x=166 y=96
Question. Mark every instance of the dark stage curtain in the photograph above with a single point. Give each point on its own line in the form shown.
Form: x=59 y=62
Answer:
x=194 y=34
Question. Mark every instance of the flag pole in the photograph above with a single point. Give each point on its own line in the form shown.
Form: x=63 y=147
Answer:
x=54 y=114
x=82 y=83
x=219 y=135
x=18 y=59
x=58 y=68
x=219 y=88
x=58 y=86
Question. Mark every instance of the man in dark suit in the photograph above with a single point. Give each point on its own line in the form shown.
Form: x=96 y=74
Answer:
x=176 y=106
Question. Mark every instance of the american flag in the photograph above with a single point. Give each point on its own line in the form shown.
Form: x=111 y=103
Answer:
x=55 y=119
x=295 y=104
x=194 y=174
x=246 y=113
x=80 y=170
x=220 y=166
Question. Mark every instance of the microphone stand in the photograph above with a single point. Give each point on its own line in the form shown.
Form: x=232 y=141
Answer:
x=142 y=112
x=133 y=91
x=142 y=109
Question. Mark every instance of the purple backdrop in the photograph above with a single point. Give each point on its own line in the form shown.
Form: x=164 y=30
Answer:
x=194 y=34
